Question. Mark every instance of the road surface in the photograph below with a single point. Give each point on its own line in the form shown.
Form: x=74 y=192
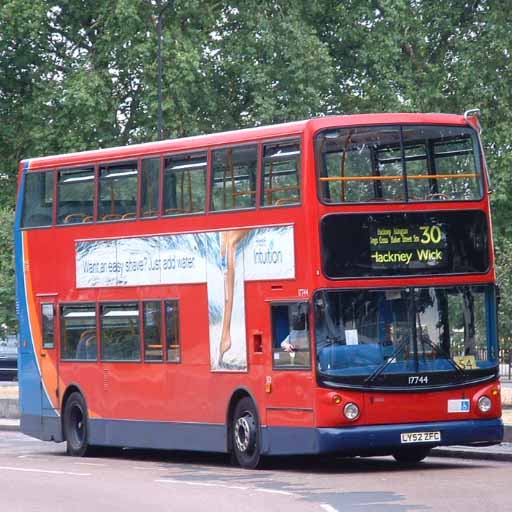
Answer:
x=37 y=476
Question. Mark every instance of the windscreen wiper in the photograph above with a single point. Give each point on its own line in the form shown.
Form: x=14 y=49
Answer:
x=391 y=359
x=441 y=352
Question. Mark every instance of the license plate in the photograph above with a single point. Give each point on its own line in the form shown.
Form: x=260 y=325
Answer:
x=420 y=437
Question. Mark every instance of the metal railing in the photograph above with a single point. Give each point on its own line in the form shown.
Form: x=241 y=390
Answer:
x=505 y=359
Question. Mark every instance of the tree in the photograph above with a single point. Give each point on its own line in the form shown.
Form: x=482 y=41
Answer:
x=82 y=74
x=7 y=297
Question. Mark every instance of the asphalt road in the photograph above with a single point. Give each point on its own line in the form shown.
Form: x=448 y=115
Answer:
x=37 y=476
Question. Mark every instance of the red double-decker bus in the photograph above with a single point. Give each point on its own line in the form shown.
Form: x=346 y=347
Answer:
x=325 y=286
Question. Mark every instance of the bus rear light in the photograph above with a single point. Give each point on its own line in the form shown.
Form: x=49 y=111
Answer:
x=351 y=411
x=484 y=404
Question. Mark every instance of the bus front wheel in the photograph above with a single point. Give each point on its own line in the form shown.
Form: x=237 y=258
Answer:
x=411 y=455
x=75 y=426
x=245 y=434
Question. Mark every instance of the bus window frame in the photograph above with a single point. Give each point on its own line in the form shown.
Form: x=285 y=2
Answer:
x=57 y=195
x=26 y=174
x=106 y=166
x=51 y=344
x=163 y=158
x=140 y=160
x=96 y=166
x=59 y=315
x=300 y=174
x=308 y=313
x=99 y=314
x=143 y=332
x=478 y=155
x=56 y=171
x=176 y=301
x=257 y=143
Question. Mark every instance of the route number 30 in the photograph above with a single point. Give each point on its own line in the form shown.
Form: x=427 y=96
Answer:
x=430 y=234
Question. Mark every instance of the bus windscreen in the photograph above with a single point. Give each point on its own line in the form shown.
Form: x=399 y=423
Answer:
x=383 y=337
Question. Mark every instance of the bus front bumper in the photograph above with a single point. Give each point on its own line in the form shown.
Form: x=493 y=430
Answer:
x=378 y=439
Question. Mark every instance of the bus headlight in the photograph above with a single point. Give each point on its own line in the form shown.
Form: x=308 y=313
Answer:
x=484 y=404
x=351 y=411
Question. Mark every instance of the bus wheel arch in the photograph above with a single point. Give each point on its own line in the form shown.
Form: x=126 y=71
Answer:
x=75 y=424
x=243 y=429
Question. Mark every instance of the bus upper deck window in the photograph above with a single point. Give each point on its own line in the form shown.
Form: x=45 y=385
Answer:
x=75 y=196
x=150 y=200
x=399 y=163
x=118 y=192
x=281 y=174
x=351 y=170
x=234 y=178
x=444 y=164
x=38 y=199
x=185 y=184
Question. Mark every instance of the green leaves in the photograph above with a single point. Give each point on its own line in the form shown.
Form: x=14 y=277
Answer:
x=7 y=298
x=82 y=74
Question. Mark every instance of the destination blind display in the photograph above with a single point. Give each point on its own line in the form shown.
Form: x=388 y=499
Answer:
x=404 y=243
x=411 y=247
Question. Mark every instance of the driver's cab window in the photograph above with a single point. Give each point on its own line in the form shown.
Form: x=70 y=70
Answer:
x=291 y=346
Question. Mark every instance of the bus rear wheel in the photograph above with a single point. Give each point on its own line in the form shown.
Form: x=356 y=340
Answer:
x=76 y=426
x=411 y=455
x=245 y=434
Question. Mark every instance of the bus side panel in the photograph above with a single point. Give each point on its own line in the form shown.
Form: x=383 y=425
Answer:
x=33 y=394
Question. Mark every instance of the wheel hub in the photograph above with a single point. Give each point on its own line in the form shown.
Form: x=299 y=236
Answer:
x=245 y=429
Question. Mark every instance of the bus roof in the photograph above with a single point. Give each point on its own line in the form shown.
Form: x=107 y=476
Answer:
x=199 y=142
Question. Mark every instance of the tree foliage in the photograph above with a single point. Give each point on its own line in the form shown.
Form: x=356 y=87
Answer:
x=81 y=74
x=7 y=298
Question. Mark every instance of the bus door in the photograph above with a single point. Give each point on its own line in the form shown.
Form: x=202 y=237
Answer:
x=289 y=384
x=48 y=356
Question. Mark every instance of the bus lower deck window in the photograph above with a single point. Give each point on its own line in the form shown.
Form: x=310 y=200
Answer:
x=152 y=331
x=120 y=332
x=78 y=332
x=290 y=336
x=172 y=331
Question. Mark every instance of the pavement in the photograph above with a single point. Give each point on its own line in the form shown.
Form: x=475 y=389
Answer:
x=503 y=452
